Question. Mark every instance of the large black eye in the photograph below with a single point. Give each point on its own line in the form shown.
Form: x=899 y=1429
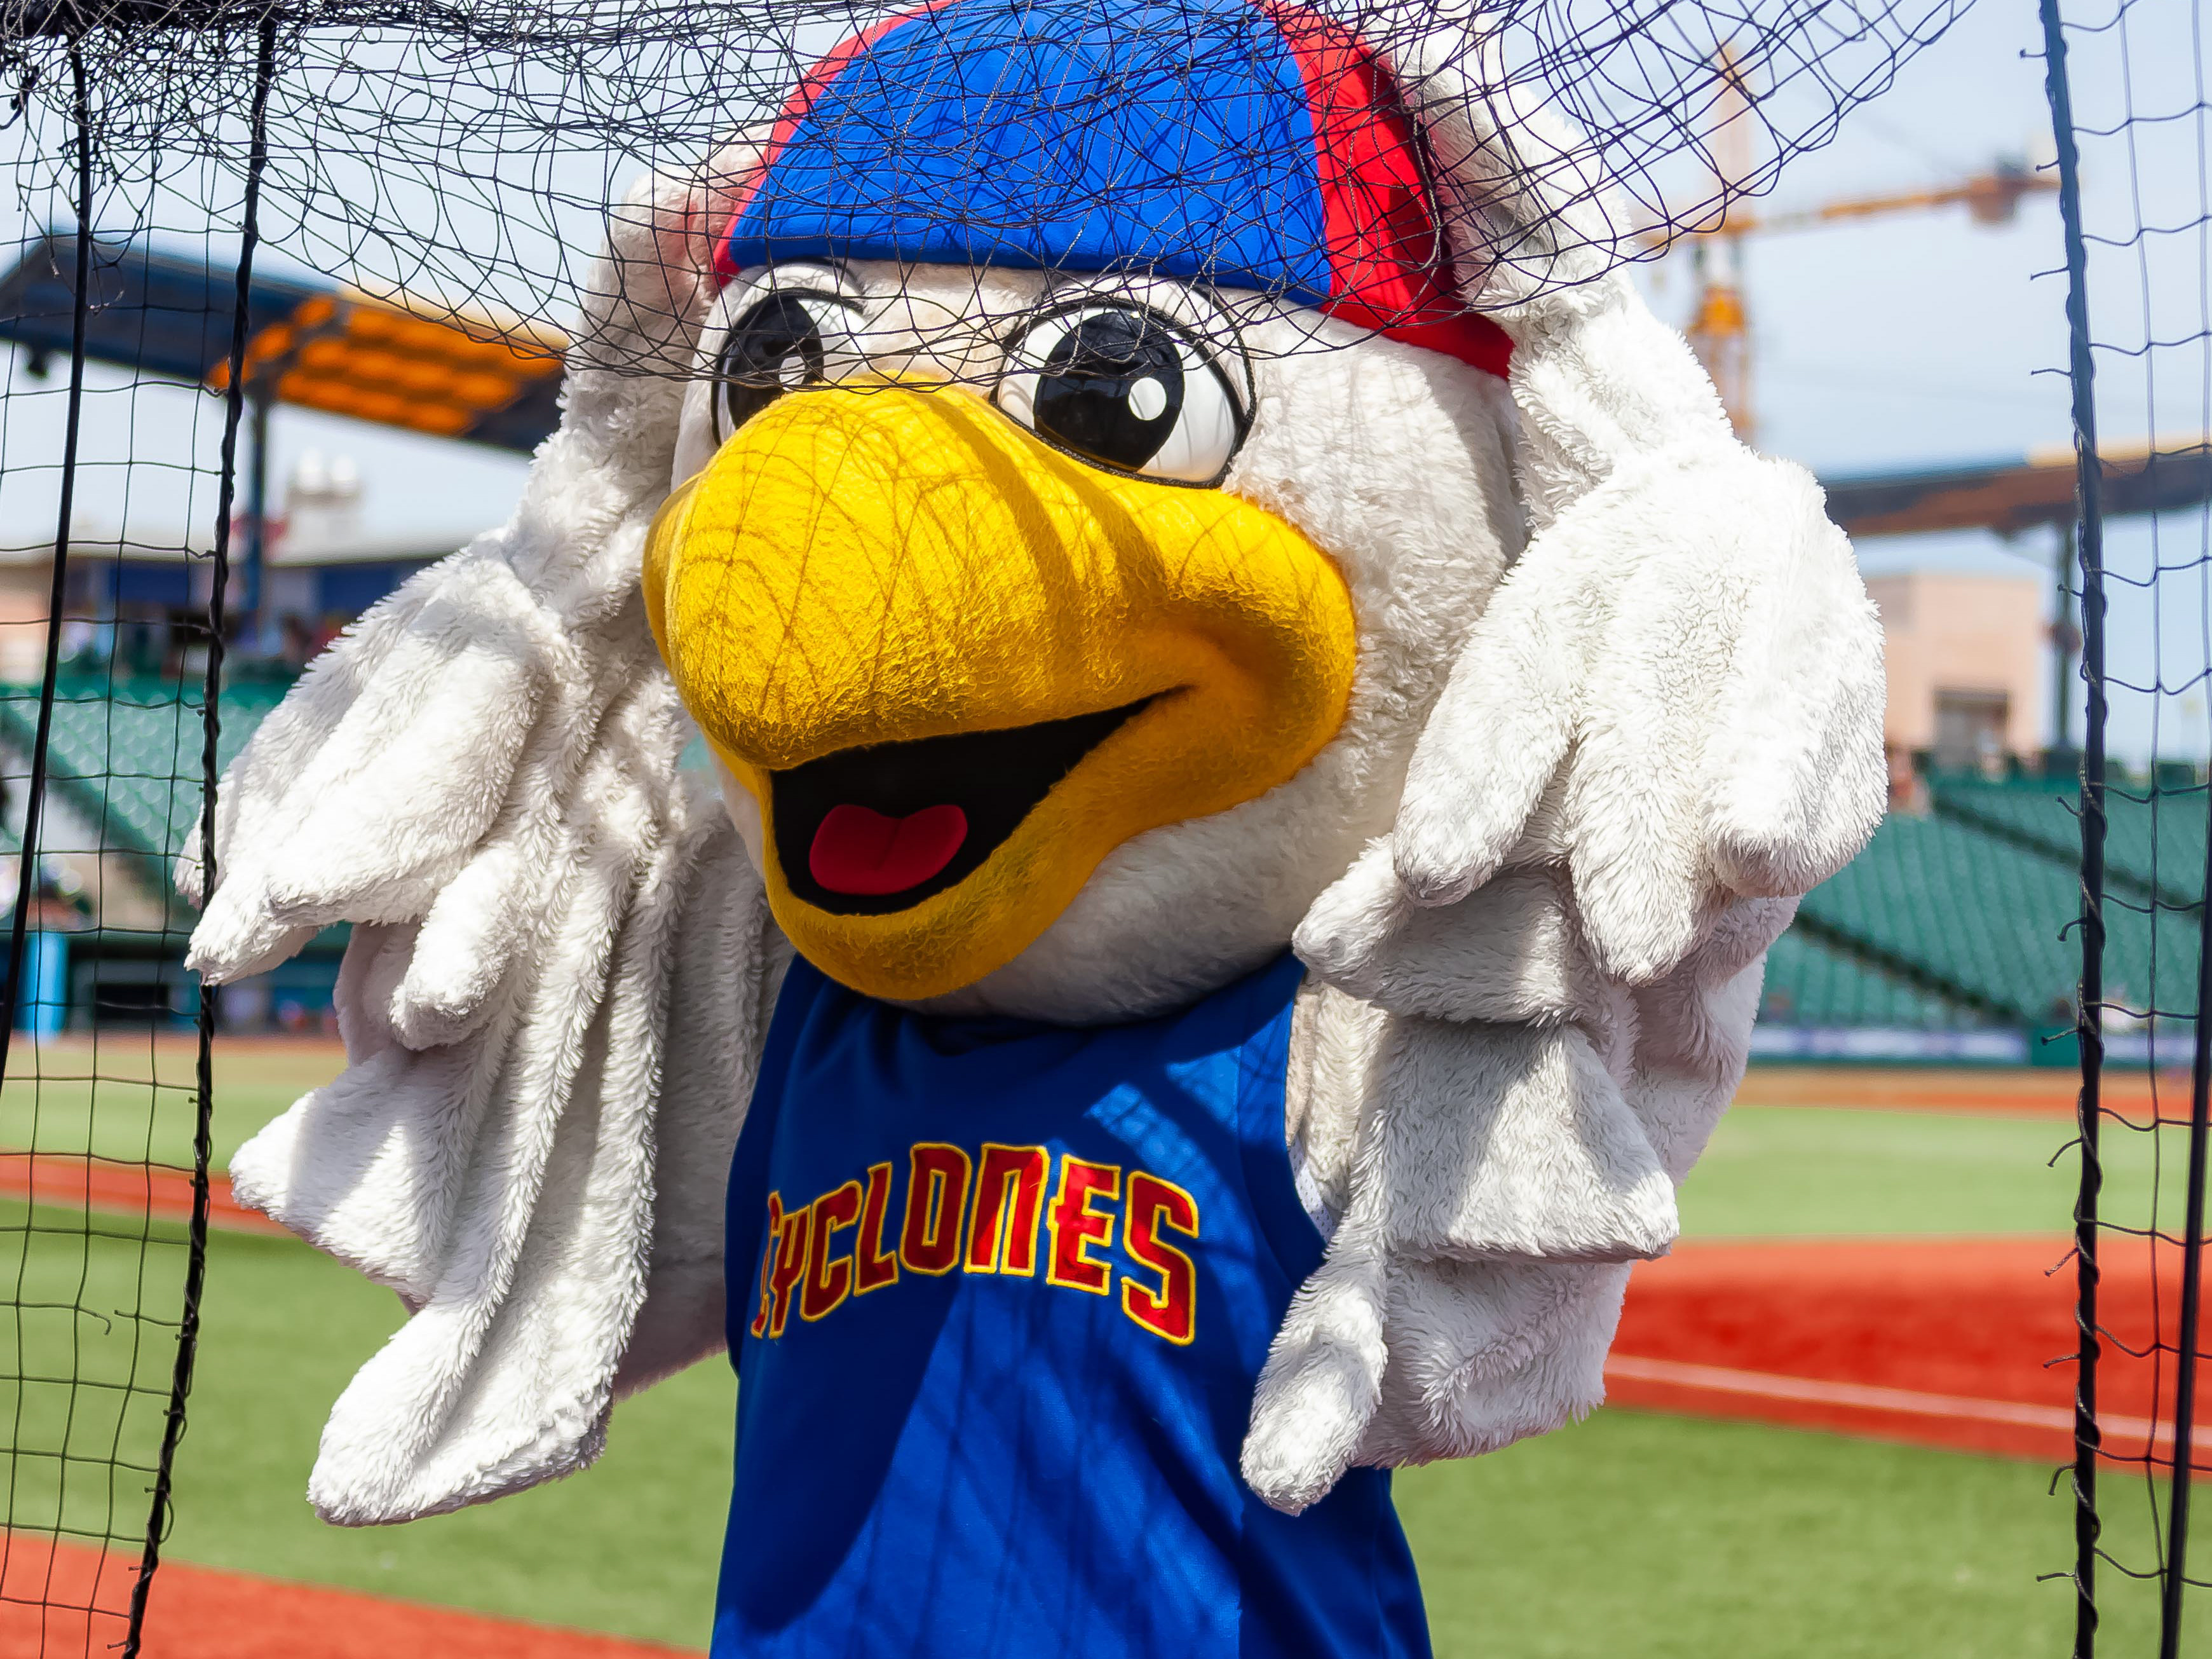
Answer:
x=782 y=344
x=1124 y=387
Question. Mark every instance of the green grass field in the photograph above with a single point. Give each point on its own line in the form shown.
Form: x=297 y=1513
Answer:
x=1630 y=1535
x=1808 y=1171
x=133 y=1101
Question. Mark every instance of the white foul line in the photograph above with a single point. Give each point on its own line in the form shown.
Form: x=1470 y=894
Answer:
x=1905 y=1402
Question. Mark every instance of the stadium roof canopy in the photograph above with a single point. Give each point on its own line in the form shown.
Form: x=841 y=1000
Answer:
x=494 y=380
x=2017 y=494
x=477 y=378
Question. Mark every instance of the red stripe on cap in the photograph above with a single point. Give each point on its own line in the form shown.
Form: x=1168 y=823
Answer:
x=1390 y=264
x=812 y=86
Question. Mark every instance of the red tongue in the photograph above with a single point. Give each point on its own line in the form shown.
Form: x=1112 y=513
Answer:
x=859 y=850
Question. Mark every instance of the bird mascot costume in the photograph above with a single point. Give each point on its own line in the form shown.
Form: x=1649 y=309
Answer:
x=1258 y=725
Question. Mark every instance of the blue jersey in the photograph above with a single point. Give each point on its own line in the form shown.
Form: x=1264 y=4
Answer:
x=1000 y=1293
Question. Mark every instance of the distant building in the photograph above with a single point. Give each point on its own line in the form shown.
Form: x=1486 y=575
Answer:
x=1967 y=667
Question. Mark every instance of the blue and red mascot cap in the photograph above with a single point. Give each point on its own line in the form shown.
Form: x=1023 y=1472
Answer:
x=1256 y=146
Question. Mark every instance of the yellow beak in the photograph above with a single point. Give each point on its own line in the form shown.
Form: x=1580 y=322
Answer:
x=908 y=625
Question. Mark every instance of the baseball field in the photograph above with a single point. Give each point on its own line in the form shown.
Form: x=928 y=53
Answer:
x=1834 y=1432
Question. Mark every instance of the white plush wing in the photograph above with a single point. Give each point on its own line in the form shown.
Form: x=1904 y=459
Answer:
x=547 y=1194
x=1666 y=724
x=554 y=997
x=1516 y=1124
x=1677 y=691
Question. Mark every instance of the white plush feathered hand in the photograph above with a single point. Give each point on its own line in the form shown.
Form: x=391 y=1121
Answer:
x=559 y=964
x=1666 y=725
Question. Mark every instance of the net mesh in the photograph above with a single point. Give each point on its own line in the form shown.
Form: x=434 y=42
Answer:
x=2128 y=90
x=189 y=182
x=102 y=735
x=465 y=157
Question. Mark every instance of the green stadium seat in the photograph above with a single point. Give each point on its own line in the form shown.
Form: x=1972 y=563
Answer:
x=1810 y=983
x=126 y=753
x=1987 y=920
x=2154 y=836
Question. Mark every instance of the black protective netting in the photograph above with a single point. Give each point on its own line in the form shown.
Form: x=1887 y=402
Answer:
x=466 y=157
x=179 y=171
x=2129 y=98
x=102 y=690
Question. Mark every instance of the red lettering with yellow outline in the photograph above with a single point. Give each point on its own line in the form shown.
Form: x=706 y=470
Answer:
x=936 y=1204
x=789 y=1250
x=872 y=1266
x=768 y=1262
x=1076 y=1226
x=828 y=1282
x=988 y=1227
x=1170 y=1311
x=1002 y=1236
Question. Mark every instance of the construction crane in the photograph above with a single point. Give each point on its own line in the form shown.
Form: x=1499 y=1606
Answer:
x=1719 y=329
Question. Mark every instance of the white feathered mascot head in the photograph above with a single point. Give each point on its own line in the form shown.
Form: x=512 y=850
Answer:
x=1100 y=547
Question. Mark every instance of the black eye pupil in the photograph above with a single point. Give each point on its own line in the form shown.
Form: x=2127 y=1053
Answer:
x=1111 y=388
x=775 y=347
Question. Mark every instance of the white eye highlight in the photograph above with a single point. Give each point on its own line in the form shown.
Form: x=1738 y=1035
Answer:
x=1124 y=387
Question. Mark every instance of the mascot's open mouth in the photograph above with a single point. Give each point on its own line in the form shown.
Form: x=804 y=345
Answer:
x=868 y=831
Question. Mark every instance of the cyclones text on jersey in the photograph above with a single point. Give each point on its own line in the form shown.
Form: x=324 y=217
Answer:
x=983 y=1213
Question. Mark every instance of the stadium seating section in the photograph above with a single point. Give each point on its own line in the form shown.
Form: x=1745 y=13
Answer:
x=1984 y=919
x=125 y=753
x=2154 y=838
x=1959 y=917
x=1810 y=982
